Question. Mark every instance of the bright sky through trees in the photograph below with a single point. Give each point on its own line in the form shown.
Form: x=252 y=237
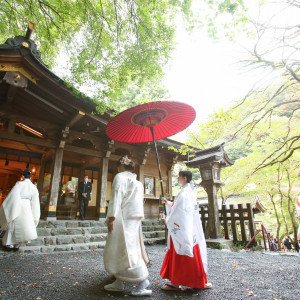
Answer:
x=205 y=73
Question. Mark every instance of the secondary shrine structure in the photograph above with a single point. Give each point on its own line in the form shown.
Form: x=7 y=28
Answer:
x=56 y=132
x=209 y=162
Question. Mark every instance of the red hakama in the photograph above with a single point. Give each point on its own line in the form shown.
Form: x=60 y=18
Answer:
x=184 y=270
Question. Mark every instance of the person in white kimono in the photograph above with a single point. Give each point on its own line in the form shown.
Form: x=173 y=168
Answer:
x=124 y=253
x=20 y=213
x=185 y=263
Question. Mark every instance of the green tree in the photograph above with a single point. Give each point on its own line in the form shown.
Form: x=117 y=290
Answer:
x=110 y=42
x=134 y=94
x=107 y=43
x=274 y=184
x=275 y=53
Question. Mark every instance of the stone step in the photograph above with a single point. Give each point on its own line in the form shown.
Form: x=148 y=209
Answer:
x=87 y=230
x=91 y=223
x=153 y=228
x=68 y=239
x=70 y=242
x=153 y=241
x=56 y=248
x=70 y=224
x=70 y=231
x=85 y=238
x=74 y=235
x=154 y=234
x=77 y=247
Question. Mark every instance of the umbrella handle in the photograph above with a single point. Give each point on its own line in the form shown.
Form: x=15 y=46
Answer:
x=157 y=159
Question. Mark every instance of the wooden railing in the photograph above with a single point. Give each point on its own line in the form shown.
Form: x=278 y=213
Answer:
x=266 y=239
x=237 y=221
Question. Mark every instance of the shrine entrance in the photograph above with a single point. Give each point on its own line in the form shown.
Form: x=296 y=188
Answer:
x=12 y=164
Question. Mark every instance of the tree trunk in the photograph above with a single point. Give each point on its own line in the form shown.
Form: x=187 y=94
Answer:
x=276 y=215
x=291 y=211
x=281 y=203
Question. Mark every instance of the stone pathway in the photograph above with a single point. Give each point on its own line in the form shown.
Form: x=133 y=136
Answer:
x=79 y=275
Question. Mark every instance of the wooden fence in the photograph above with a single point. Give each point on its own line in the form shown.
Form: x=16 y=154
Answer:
x=236 y=220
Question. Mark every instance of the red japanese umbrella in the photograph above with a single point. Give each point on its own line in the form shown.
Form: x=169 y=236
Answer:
x=150 y=122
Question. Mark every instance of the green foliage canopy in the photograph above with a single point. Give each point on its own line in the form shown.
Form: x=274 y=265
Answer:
x=108 y=43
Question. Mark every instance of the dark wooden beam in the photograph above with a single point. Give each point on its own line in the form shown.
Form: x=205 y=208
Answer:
x=48 y=155
x=96 y=141
x=36 y=123
x=11 y=94
x=77 y=107
x=134 y=148
x=83 y=151
x=11 y=172
x=91 y=162
x=98 y=119
x=44 y=101
x=11 y=125
x=27 y=140
x=74 y=119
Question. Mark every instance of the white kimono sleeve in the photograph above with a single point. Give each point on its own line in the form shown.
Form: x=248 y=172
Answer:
x=35 y=206
x=180 y=225
x=116 y=197
x=10 y=208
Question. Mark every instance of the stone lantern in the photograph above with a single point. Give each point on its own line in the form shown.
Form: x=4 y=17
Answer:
x=209 y=162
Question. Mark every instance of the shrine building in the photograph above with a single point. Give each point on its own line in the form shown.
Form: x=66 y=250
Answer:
x=55 y=130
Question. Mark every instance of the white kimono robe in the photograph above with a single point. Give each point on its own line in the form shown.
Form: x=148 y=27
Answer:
x=20 y=213
x=124 y=253
x=184 y=224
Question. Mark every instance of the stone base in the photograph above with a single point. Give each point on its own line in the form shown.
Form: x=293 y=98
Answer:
x=219 y=244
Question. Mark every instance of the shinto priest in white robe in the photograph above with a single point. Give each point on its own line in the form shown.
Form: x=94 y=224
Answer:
x=124 y=253
x=184 y=224
x=20 y=213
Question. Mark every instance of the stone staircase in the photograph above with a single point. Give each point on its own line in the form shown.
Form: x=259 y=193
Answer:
x=66 y=235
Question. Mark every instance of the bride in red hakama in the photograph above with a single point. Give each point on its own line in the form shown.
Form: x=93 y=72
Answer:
x=185 y=263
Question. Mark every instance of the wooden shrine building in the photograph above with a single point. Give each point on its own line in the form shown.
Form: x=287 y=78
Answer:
x=56 y=132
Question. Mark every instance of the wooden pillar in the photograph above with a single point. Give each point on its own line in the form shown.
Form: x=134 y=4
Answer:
x=103 y=187
x=142 y=160
x=41 y=176
x=213 y=230
x=225 y=221
x=55 y=182
x=233 y=223
x=251 y=221
x=242 y=223
x=40 y=185
x=140 y=173
x=170 y=165
x=169 y=182
x=98 y=197
x=203 y=211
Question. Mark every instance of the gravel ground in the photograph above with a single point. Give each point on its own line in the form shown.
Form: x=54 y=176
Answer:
x=81 y=275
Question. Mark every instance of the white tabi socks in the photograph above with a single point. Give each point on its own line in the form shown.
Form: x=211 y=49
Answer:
x=116 y=286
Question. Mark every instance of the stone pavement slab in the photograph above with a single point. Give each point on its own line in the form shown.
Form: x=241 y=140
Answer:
x=81 y=275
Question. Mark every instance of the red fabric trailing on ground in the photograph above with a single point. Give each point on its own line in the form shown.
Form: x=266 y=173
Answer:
x=184 y=270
